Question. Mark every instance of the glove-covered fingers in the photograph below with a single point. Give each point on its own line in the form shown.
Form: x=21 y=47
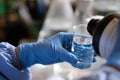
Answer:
x=66 y=40
x=95 y=59
x=67 y=56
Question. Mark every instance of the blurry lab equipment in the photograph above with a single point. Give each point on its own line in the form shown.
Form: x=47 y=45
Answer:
x=104 y=7
x=24 y=13
x=84 y=10
x=37 y=10
x=58 y=18
x=25 y=17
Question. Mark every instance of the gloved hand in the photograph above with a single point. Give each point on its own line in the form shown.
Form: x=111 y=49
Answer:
x=114 y=58
x=49 y=51
x=9 y=64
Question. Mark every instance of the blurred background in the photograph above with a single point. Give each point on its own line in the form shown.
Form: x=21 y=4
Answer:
x=32 y=20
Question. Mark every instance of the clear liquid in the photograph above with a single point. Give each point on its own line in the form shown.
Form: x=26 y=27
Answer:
x=82 y=39
x=84 y=54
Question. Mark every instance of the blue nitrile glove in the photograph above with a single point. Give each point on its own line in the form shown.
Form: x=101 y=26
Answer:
x=114 y=58
x=49 y=51
x=9 y=64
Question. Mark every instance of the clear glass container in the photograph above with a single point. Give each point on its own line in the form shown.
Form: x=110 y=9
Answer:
x=82 y=46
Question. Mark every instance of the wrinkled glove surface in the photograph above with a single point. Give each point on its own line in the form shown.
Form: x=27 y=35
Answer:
x=9 y=67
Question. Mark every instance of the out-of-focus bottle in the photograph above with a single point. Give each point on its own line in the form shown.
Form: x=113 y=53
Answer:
x=59 y=18
x=84 y=10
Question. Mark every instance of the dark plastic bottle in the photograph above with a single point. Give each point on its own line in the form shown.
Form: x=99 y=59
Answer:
x=103 y=32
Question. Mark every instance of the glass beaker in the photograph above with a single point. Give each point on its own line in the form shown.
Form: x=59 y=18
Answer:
x=82 y=46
